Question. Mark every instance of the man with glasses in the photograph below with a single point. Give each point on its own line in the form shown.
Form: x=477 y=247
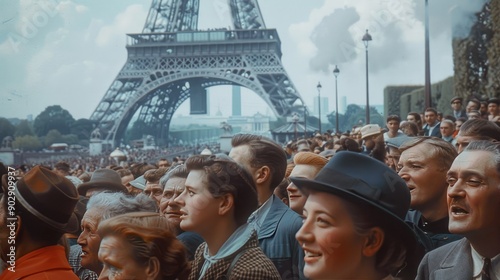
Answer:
x=456 y=106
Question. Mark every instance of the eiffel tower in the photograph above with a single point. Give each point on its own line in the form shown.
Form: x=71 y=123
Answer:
x=171 y=61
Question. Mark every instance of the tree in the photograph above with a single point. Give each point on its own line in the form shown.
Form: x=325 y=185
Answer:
x=53 y=136
x=53 y=117
x=140 y=128
x=82 y=128
x=27 y=142
x=6 y=129
x=24 y=128
x=355 y=116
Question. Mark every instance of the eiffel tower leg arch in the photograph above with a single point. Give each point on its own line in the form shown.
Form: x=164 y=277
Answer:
x=163 y=68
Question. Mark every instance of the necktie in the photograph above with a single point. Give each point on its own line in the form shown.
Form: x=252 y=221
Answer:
x=485 y=272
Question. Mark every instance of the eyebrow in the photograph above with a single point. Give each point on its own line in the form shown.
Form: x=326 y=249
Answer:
x=466 y=173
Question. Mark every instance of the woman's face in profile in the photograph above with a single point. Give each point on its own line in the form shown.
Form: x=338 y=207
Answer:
x=332 y=247
x=116 y=255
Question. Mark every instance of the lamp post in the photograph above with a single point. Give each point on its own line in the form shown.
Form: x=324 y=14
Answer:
x=305 y=121
x=336 y=72
x=428 y=96
x=319 y=105
x=295 y=120
x=367 y=38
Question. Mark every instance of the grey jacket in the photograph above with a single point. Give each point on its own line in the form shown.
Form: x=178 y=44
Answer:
x=452 y=261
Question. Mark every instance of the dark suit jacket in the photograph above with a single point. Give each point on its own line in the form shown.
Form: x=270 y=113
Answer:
x=435 y=132
x=449 y=262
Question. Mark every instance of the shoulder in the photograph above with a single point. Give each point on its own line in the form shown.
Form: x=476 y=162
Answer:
x=460 y=246
x=253 y=264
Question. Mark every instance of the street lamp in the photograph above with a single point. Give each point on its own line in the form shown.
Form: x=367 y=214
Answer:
x=295 y=120
x=336 y=72
x=319 y=105
x=305 y=121
x=428 y=94
x=367 y=38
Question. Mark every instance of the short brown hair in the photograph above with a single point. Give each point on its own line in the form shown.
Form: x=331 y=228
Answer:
x=264 y=152
x=226 y=176
x=441 y=149
x=154 y=175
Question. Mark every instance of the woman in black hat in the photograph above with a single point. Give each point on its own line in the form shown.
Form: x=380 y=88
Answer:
x=354 y=220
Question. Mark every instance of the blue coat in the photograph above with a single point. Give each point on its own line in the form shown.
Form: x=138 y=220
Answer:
x=277 y=240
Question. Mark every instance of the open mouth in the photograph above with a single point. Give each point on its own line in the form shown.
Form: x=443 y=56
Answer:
x=457 y=210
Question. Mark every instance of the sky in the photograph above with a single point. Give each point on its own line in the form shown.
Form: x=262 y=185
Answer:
x=68 y=52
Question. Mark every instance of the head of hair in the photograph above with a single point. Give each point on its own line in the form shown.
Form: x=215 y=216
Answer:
x=154 y=175
x=416 y=116
x=281 y=191
x=264 y=152
x=392 y=254
x=63 y=166
x=393 y=118
x=114 y=204
x=177 y=171
x=225 y=176
x=150 y=236
x=348 y=144
x=312 y=159
x=487 y=146
x=480 y=128
x=430 y=109
x=123 y=172
x=441 y=149
x=475 y=101
x=452 y=123
x=409 y=128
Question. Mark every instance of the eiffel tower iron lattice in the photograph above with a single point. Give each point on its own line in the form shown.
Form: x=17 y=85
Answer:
x=172 y=60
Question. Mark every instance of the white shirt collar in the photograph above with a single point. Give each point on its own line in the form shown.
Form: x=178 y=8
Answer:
x=477 y=265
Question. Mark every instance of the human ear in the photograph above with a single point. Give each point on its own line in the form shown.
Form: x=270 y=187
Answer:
x=226 y=203
x=153 y=268
x=263 y=174
x=373 y=241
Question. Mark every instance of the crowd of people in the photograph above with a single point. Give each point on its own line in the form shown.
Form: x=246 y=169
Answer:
x=415 y=200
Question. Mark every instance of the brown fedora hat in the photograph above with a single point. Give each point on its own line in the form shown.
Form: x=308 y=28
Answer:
x=103 y=179
x=49 y=197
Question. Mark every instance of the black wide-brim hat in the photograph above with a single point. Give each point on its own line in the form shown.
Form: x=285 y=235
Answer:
x=49 y=197
x=364 y=180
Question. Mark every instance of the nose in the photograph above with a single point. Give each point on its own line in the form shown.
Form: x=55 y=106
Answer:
x=456 y=190
x=179 y=200
x=292 y=188
x=81 y=239
x=402 y=173
x=304 y=234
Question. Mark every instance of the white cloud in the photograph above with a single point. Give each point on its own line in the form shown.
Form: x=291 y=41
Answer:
x=128 y=21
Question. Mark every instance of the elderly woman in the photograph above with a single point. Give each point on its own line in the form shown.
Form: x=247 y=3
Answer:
x=307 y=165
x=216 y=203
x=354 y=220
x=141 y=245
x=100 y=207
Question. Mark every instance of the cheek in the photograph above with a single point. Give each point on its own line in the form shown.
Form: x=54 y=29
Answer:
x=198 y=203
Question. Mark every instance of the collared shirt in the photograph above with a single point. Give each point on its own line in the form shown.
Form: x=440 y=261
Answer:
x=258 y=217
x=477 y=263
x=431 y=128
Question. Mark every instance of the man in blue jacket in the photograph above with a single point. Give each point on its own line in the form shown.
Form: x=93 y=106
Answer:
x=276 y=223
